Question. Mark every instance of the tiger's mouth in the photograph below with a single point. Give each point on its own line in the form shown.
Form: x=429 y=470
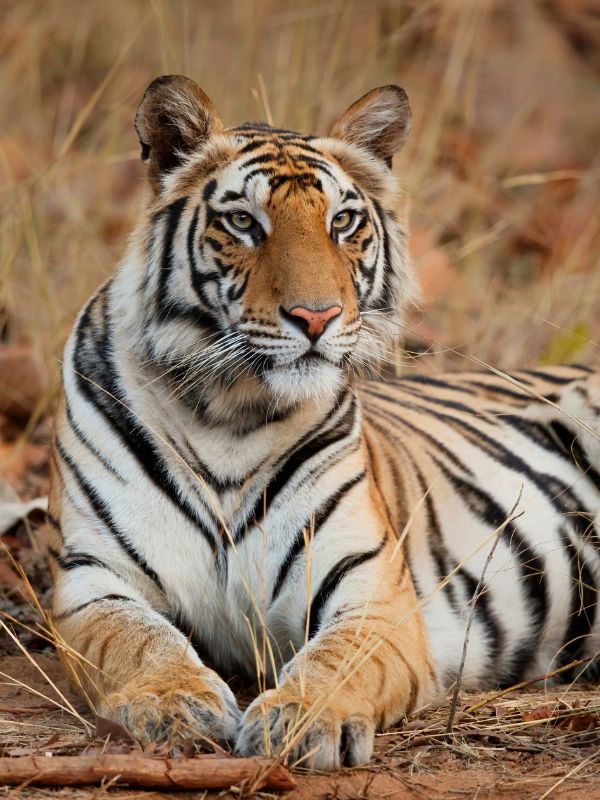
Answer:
x=311 y=376
x=312 y=357
x=307 y=362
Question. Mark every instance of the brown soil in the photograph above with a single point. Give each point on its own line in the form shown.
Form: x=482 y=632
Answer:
x=499 y=751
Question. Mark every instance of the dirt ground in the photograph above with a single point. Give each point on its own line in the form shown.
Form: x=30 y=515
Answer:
x=499 y=751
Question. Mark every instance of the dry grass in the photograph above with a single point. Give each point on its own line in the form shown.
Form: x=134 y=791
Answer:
x=501 y=191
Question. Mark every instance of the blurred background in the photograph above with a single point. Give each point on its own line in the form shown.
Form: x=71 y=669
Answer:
x=500 y=175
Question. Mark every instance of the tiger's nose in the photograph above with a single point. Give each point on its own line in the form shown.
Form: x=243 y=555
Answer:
x=312 y=323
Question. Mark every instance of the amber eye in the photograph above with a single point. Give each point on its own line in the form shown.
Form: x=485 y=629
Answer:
x=343 y=220
x=241 y=220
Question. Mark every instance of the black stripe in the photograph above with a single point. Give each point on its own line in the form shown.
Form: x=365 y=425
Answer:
x=187 y=454
x=198 y=278
x=549 y=377
x=309 y=446
x=534 y=431
x=385 y=294
x=484 y=613
x=572 y=447
x=582 y=368
x=531 y=568
x=263 y=158
x=333 y=579
x=302 y=179
x=445 y=565
x=302 y=145
x=229 y=195
x=88 y=445
x=72 y=560
x=317 y=163
x=583 y=608
x=71 y=611
x=562 y=497
x=249 y=147
x=176 y=311
x=266 y=171
x=445 y=403
x=54 y=522
x=101 y=510
x=522 y=396
x=444 y=562
x=320 y=518
x=216 y=245
x=173 y=213
x=209 y=190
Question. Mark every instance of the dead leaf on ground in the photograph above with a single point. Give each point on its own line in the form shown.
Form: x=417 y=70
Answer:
x=564 y=717
x=108 y=727
x=543 y=712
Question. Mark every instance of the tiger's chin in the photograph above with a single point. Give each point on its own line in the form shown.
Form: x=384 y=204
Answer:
x=306 y=379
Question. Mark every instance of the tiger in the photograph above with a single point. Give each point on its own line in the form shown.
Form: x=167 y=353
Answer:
x=239 y=490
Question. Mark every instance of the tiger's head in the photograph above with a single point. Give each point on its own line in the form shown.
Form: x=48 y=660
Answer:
x=272 y=264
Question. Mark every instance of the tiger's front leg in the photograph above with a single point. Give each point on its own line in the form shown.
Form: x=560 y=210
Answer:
x=137 y=669
x=366 y=664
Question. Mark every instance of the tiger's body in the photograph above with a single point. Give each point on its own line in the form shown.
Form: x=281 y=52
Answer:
x=222 y=479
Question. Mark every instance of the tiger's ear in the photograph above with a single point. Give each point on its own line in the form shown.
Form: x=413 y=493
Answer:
x=174 y=118
x=378 y=122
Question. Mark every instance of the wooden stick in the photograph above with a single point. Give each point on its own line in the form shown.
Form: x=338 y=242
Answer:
x=135 y=769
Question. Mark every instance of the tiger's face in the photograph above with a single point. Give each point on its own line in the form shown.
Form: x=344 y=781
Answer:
x=282 y=268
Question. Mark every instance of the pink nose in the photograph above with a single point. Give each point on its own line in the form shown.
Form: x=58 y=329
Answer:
x=315 y=322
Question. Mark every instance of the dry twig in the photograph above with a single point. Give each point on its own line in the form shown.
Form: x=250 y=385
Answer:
x=201 y=772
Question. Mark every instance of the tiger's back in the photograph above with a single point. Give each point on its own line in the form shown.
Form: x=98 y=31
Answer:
x=465 y=458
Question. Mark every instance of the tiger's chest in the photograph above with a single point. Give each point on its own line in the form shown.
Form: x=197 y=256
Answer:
x=222 y=599
x=219 y=570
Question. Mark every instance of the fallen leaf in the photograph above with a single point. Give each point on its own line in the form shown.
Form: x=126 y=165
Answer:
x=544 y=712
x=117 y=732
x=416 y=725
x=579 y=723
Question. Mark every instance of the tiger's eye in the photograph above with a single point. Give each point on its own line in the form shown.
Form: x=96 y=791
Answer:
x=343 y=220
x=241 y=220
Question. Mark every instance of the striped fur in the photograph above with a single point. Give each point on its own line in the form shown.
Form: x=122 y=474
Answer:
x=229 y=497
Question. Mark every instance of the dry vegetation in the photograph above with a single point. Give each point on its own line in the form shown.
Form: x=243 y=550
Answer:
x=501 y=193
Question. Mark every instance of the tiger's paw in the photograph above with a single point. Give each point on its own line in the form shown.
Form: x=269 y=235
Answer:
x=317 y=739
x=177 y=703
